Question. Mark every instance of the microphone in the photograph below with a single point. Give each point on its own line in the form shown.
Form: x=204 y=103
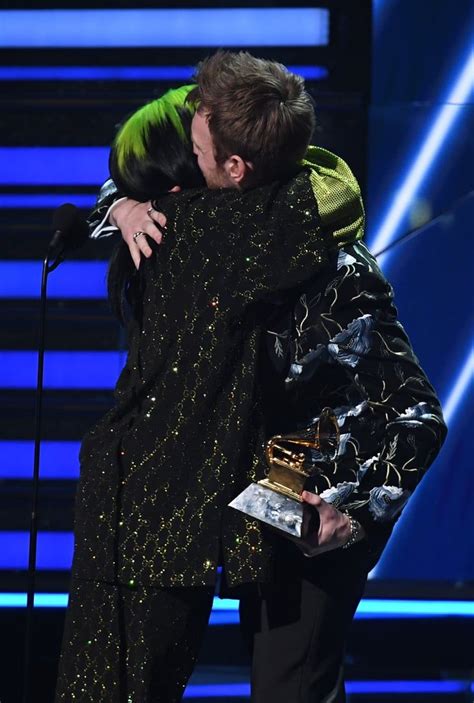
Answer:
x=70 y=230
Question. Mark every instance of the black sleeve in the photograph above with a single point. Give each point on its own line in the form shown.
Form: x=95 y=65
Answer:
x=251 y=243
x=108 y=194
x=389 y=416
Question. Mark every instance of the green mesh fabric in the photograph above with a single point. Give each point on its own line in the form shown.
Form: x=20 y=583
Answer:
x=337 y=193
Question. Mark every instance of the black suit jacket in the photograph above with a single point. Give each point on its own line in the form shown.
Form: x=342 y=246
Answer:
x=253 y=320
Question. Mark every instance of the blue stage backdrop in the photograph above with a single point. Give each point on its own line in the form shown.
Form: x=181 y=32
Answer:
x=420 y=173
x=420 y=158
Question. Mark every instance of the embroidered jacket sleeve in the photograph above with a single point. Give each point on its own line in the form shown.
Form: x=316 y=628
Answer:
x=352 y=354
x=98 y=219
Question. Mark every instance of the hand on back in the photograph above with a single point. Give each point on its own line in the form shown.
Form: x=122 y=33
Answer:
x=131 y=217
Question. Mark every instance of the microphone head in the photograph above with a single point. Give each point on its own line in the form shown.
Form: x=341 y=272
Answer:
x=65 y=217
x=68 y=220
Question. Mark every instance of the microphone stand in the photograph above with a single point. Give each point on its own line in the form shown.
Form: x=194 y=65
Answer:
x=48 y=266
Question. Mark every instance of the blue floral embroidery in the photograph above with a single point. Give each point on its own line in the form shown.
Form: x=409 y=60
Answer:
x=349 y=345
x=385 y=502
x=344 y=411
x=304 y=368
x=344 y=259
x=107 y=189
x=337 y=495
x=415 y=416
x=363 y=468
x=343 y=439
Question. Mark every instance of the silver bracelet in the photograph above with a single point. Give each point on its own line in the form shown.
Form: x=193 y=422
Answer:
x=356 y=531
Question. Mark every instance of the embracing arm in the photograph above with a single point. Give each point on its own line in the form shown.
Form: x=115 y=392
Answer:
x=389 y=416
x=249 y=243
x=333 y=186
x=99 y=219
x=113 y=212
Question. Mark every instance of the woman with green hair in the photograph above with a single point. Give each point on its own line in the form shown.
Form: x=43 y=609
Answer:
x=150 y=156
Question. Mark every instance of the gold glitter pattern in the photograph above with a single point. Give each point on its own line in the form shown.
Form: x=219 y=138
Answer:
x=186 y=436
x=132 y=645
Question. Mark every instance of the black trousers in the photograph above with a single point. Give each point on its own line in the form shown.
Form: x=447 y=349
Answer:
x=296 y=628
x=139 y=645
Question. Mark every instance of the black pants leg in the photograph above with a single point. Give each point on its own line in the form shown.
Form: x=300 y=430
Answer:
x=125 y=645
x=297 y=627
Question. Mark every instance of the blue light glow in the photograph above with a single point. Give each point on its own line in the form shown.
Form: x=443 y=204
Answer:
x=224 y=617
x=383 y=608
x=218 y=690
x=225 y=611
x=41 y=600
x=59 y=460
x=242 y=690
x=60 y=600
x=96 y=73
x=42 y=201
x=96 y=370
x=426 y=157
x=125 y=73
x=310 y=73
x=54 y=550
x=461 y=386
x=225 y=604
x=236 y=27
x=63 y=166
x=73 y=279
x=439 y=687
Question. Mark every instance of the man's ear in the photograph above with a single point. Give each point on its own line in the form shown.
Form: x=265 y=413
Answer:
x=237 y=169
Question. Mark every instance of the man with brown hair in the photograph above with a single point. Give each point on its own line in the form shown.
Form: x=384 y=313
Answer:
x=255 y=119
x=253 y=124
x=333 y=342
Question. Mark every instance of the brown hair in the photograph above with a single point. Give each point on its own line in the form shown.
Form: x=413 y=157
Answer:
x=257 y=110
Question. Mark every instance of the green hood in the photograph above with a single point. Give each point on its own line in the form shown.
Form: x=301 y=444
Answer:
x=337 y=194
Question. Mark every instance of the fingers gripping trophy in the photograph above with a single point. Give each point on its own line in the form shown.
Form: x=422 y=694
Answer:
x=276 y=500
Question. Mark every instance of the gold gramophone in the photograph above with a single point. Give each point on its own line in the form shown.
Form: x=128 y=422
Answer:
x=276 y=499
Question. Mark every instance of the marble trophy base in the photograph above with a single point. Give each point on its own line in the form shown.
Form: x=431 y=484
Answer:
x=265 y=504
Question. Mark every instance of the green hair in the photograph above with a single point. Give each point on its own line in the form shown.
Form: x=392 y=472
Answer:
x=131 y=139
x=151 y=153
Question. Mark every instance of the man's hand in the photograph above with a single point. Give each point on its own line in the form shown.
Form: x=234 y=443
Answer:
x=130 y=217
x=334 y=527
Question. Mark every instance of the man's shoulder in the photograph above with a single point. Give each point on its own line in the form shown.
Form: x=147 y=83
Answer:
x=337 y=194
x=350 y=270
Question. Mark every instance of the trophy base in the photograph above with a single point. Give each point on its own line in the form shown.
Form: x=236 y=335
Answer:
x=276 y=509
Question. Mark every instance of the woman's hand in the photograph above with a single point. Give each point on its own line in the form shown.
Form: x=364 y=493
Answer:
x=131 y=217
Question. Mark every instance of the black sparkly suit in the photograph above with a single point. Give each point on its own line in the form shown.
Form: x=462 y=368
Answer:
x=259 y=309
